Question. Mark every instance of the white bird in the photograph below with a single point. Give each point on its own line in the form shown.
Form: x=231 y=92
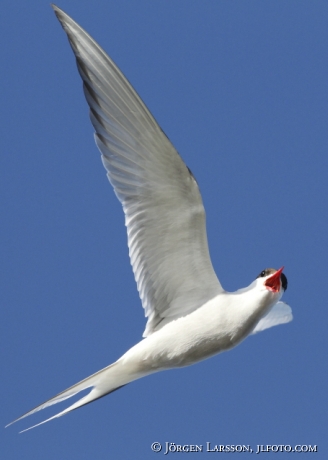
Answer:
x=190 y=316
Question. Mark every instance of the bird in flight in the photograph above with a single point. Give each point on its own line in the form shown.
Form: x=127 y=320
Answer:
x=190 y=316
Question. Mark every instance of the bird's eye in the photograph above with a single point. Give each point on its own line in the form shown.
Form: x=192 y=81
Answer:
x=262 y=274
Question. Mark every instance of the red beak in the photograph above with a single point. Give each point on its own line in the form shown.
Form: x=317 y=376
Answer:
x=273 y=283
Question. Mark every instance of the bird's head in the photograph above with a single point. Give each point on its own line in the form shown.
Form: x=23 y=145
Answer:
x=273 y=280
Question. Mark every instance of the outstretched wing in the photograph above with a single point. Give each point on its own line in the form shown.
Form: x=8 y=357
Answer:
x=164 y=213
x=280 y=313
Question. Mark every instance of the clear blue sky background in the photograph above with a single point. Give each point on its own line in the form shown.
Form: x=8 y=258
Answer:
x=241 y=89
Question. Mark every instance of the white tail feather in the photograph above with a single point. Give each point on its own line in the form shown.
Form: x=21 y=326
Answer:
x=81 y=402
x=105 y=381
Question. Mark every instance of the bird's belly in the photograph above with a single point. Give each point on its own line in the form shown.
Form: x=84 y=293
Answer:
x=176 y=346
x=185 y=353
x=201 y=350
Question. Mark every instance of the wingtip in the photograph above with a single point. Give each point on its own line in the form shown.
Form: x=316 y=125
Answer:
x=54 y=7
x=60 y=14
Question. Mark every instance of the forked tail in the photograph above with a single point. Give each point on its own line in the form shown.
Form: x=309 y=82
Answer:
x=103 y=382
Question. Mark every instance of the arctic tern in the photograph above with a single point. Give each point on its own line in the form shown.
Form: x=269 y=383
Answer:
x=190 y=316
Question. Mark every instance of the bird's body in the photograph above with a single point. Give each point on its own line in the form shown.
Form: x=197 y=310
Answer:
x=218 y=325
x=190 y=316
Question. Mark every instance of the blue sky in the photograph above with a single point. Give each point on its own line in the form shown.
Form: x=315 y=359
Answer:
x=241 y=89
